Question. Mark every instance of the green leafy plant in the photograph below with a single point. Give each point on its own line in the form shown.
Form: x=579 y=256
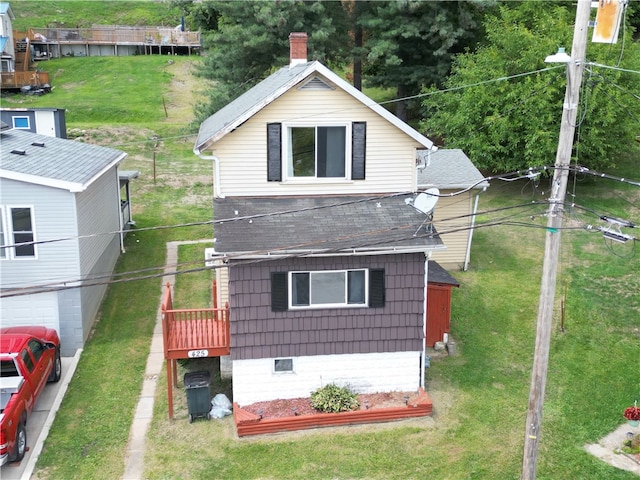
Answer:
x=333 y=399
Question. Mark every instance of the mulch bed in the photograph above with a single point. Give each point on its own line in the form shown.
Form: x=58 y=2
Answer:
x=302 y=406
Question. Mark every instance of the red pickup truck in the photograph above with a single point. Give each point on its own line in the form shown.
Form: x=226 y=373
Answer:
x=29 y=358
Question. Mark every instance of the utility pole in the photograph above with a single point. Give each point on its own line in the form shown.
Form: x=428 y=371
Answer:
x=575 y=67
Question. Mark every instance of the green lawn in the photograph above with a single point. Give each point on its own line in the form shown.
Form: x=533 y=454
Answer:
x=480 y=396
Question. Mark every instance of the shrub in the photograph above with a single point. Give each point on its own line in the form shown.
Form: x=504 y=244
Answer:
x=333 y=399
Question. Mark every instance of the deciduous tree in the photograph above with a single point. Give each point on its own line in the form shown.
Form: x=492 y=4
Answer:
x=505 y=125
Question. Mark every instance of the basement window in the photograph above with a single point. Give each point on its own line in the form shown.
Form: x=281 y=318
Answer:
x=283 y=365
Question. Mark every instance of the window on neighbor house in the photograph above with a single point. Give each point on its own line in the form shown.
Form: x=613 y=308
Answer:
x=327 y=289
x=316 y=151
x=21 y=123
x=20 y=230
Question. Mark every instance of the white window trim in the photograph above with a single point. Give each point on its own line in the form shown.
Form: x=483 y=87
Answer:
x=28 y=127
x=286 y=148
x=10 y=253
x=284 y=372
x=329 y=305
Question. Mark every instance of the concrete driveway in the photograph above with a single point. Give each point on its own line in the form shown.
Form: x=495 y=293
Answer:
x=39 y=422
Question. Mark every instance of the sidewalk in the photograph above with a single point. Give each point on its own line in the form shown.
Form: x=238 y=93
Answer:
x=606 y=449
x=134 y=457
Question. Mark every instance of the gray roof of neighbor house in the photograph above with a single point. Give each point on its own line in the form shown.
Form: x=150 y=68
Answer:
x=448 y=169
x=271 y=226
x=52 y=161
x=255 y=99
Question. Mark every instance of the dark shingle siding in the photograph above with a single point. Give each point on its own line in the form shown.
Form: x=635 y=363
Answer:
x=258 y=332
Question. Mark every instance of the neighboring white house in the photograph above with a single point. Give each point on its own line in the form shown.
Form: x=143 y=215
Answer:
x=60 y=214
x=323 y=253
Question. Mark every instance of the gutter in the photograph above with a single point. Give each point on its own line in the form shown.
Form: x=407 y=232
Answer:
x=424 y=319
x=217 y=191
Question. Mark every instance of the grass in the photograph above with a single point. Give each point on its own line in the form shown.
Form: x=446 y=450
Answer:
x=84 y=14
x=480 y=396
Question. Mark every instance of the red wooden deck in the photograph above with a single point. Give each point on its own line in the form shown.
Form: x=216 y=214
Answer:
x=192 y=333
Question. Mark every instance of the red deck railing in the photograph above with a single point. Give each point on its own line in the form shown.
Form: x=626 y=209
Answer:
x=192 y=333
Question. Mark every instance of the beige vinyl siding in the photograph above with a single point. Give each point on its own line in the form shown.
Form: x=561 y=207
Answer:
x=222 y=284
x=446 y=218
x=390 y=154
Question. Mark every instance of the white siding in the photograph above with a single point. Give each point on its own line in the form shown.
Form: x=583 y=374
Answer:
x=54 y=218
x=452 y=214
x=390 y=154
x=255 y=380
x=38 y=309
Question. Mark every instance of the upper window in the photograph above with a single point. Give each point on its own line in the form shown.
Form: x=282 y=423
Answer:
x=21 y=122
x=318 y=152
x=19 y=233
x=327 y=289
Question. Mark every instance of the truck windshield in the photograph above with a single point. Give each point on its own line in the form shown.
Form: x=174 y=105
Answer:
x=8 y=369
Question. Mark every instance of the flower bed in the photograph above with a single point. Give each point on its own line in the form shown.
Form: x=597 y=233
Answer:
x=290 y=415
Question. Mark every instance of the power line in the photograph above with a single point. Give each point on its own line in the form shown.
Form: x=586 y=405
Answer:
x=95 y=280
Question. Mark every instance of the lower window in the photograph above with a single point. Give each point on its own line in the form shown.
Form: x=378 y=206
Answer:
x=333 y=288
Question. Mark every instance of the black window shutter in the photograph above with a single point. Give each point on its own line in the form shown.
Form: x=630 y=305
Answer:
x=358 y=148
x=279 y=300
x=274 y=152
x=376 y=287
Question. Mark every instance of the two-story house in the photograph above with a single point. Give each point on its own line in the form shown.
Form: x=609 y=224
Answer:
x=322 y=248
x=62 y=221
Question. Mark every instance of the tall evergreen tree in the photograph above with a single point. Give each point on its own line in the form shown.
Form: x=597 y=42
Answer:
x=252 y=39
x=410 y=43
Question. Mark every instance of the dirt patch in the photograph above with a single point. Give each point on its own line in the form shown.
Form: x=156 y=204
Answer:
x=302 y=406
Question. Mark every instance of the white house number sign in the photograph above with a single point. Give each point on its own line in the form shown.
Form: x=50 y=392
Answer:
x=198 y=353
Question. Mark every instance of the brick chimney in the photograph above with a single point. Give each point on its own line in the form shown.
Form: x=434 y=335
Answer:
x=297 y=48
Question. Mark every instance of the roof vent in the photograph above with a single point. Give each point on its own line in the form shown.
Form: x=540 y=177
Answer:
x=38 y=144
x=19 y=152
x=316 y=83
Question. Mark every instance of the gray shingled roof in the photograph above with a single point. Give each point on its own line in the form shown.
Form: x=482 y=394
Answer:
x=59 y=162
x=314 y=224
x=248 y=104
x=437 y=274
x=449 y=169
x=245 y=103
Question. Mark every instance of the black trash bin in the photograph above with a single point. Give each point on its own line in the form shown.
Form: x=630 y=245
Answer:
x=198 y=391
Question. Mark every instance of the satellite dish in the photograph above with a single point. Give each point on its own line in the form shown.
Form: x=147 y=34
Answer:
x=426 y=201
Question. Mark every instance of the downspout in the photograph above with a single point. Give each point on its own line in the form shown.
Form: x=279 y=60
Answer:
x=473 y=222
x=216 y=174
x=120 y=220
x=424 y=319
